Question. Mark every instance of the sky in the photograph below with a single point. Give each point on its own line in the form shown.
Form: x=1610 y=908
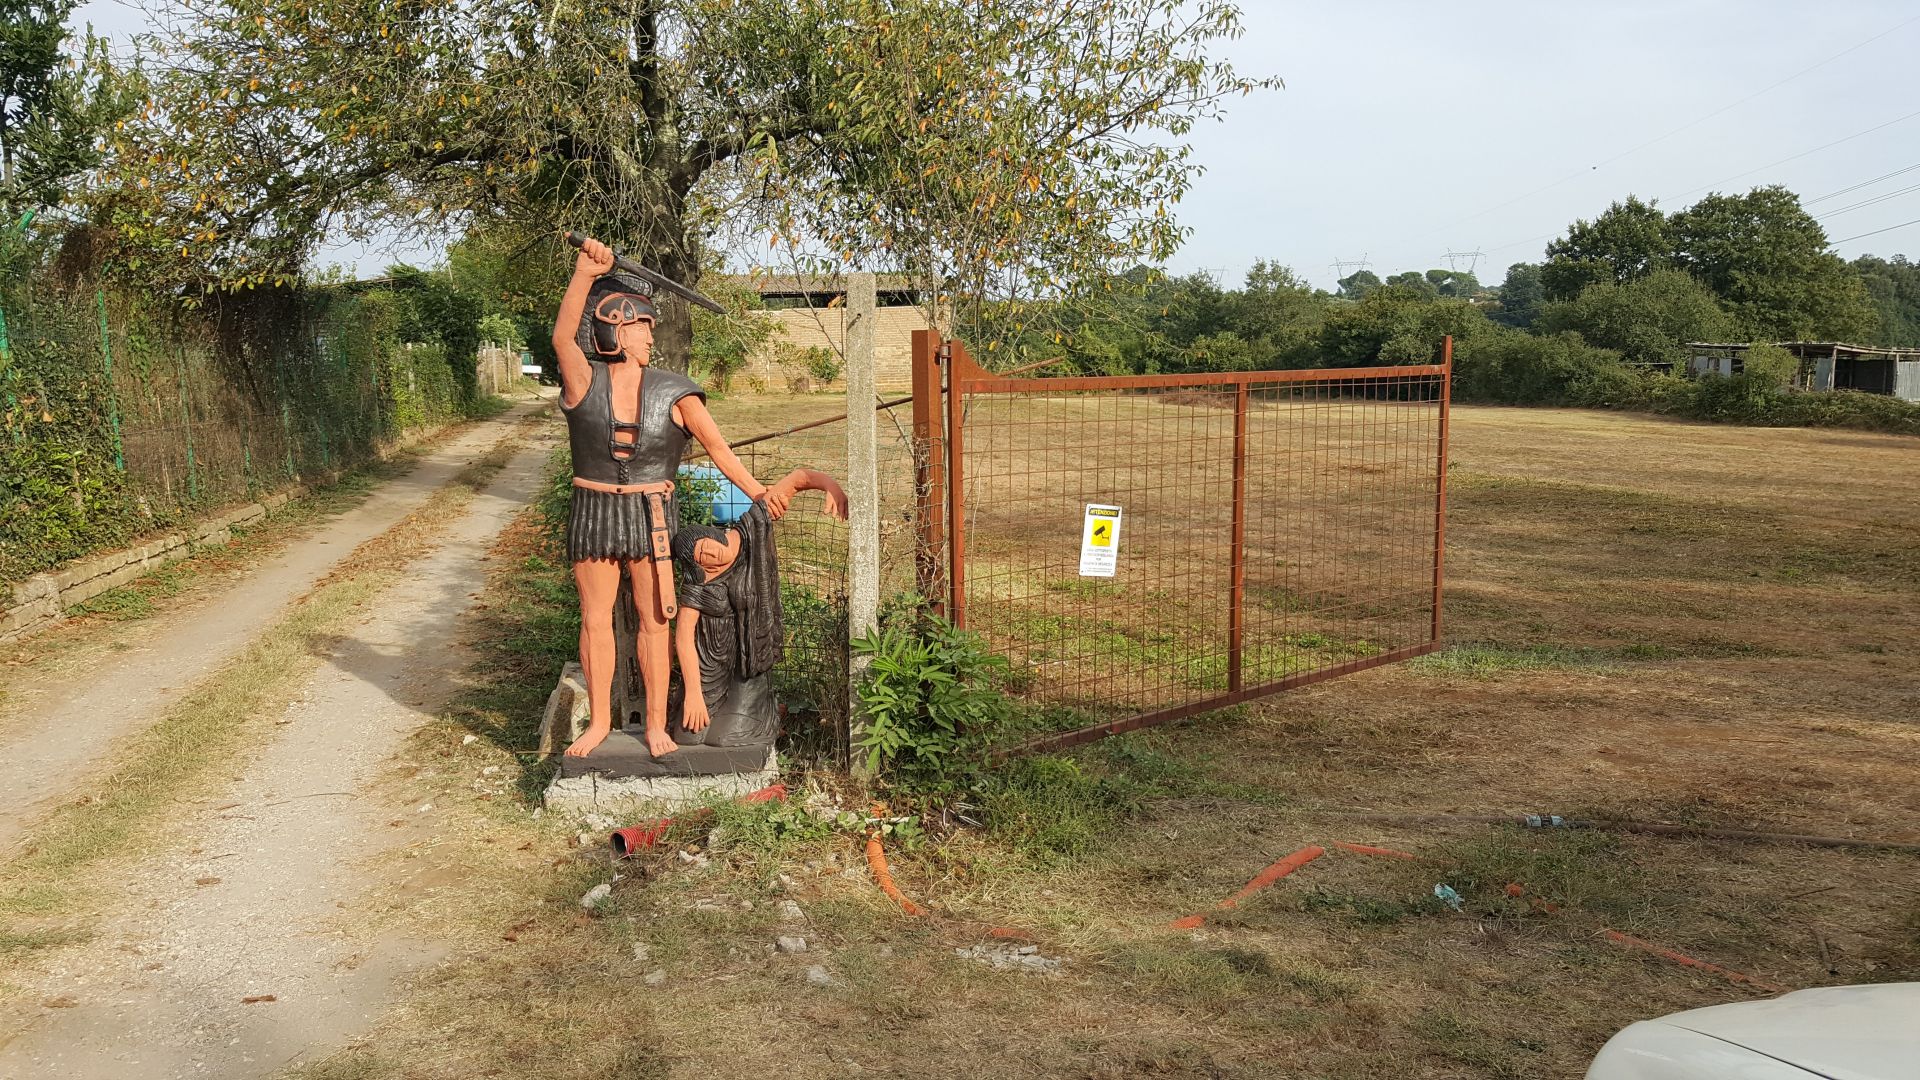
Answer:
x=1408 y=129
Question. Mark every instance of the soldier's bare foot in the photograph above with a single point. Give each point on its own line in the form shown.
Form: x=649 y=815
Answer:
x=589 y=739
x=660 y=744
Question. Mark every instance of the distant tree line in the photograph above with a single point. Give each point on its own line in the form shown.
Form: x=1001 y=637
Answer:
x=1614 y=301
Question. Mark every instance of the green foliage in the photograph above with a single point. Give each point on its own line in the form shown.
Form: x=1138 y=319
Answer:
x=1629 y=241
x=434 y=310
x=1770 y=365
x=1358 y=284
x=1053 y=807
x=1893 y=287
x=1394 y=324
x=820 y=364
x=1001 y=151
x=1647 y=318
x=1520 y=296
x=1767 y=259
x=1514 y=368
x=51 y=113
x=214 y=406
x=502 y=330
x=932 y=701
x=722 y=342
x=694 y=493
x=1756 y=400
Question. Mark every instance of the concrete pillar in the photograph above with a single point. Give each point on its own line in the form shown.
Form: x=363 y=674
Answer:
x=862 y=484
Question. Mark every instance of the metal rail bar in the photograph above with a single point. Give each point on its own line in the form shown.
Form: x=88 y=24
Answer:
x=1237 y=592
x=1154 y=719
x=1000 y=384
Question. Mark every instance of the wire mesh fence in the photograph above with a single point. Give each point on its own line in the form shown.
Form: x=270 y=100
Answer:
x=1273 y=529
x=121 y=416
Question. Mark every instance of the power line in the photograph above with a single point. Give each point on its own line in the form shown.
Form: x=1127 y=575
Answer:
x=1861 y=184
x=1762 y=90
x=1798 y=156
x=1690 y=124
x=1876 y=232
x=1875 y=199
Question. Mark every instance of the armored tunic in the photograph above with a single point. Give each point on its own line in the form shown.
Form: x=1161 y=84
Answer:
x=657 y=444
x=606 y=525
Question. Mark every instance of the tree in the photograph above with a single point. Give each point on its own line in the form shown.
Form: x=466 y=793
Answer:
x=1510 y=367
x=1392 y=325
x=1767 y=259
x=1521 y=295
x=1455 y=283
x=52 y=112
x=1358 y=284
x=1277 y=311
x=1002 y=151
x=1630 y=240
x=1893 y=287
x=1413 y=282
x=1647 y=319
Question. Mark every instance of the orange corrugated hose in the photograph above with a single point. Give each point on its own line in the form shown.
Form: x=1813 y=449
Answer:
x=877 y=862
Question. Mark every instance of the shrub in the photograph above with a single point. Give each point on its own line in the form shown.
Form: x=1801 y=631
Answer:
x=933 y=705
x=1516 y=368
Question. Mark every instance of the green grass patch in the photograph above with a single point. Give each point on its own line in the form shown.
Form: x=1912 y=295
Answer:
x=1051 y=808
x=1086 y=588
x=1484 y=660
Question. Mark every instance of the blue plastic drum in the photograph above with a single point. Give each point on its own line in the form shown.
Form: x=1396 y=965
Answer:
x=729 y=502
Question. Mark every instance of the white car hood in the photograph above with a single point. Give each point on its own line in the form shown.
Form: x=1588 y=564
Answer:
x=1841 y=1032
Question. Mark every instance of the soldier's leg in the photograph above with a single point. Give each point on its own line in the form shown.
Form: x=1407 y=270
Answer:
x=599 y=583
x=655 y=664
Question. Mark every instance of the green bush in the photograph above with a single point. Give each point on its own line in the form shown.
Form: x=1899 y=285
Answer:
x=1512 y=367
x=933 y=705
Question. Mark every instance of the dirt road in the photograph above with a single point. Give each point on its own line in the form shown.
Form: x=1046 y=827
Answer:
x=51 y=731
x=221 y=960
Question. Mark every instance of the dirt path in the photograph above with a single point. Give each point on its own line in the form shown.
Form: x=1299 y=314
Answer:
x=241 y=906
x=52 y=732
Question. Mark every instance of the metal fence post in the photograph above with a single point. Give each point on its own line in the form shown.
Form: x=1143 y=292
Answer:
x=929 y=471
x=863 y=490
x=186 y=428
x=959 y=364
x=7 y=377
x=113 y=398
x=1236 y=613
x=1440 y=484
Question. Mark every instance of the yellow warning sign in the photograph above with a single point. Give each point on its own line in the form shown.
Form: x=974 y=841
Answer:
x=1100 y=541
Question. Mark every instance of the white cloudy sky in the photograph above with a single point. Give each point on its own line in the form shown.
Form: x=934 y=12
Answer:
x=1409 y=129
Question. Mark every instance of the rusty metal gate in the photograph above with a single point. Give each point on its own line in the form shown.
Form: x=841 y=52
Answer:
x=1274 y=529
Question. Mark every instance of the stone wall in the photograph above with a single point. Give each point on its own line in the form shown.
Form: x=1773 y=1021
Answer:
x=43 y=599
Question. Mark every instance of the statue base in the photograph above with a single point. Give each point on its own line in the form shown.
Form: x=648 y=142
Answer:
x=620 y=774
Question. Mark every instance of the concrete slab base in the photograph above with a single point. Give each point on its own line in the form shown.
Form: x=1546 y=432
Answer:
x=591 y=789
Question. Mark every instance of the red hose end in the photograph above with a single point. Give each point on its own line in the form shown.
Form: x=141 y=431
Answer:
x=637 y=837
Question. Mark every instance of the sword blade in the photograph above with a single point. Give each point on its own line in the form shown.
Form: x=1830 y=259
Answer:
x=657 y=280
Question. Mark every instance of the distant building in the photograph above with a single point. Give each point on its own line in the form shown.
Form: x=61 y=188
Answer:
x=810 y=312
x=1824 y=365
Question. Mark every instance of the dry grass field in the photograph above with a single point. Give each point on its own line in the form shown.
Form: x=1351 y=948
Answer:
x=1663 y=621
